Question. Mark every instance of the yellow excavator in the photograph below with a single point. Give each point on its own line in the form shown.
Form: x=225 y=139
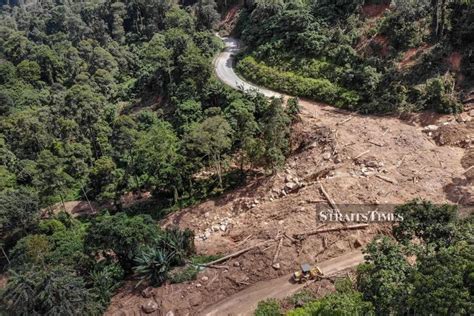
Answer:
x=307 y=273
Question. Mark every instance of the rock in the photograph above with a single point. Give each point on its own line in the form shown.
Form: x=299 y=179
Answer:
x=147 y=292
x=288 y=178
x=207 y=234
x=223 y=228
x=194 y=299
x=204 y=278
x=236 y=264
x=430 y=128
x=372 y=164
x=326 y=155
x=471 y=113
x=170 y=313
x=198 y=284
x=357 y=243
x=464 y=117
x=149 y=307
x=276 y=265
x=291 y=185
x=215 y=227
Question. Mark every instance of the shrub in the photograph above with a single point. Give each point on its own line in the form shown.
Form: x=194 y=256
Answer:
x=319 y=89
x=293 y=108
x=180 y=242
x=106 y=278
x=31 y=249
x=152 y=265
x=440 y=95
x=50 y=226
x=269 y=307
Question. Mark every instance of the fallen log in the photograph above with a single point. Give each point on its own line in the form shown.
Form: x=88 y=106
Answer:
x=330 y=200
x=390 y=180
x=326 y=230
x=217 y=267
x=235 y=254
x=361 y=154
x=275 y=263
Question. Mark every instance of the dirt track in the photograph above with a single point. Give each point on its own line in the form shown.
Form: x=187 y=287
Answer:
x=245 y=302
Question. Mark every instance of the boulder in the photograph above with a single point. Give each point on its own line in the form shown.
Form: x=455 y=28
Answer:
x=150 y=307
x=326 y=155
x=291 y=186
x=147 y=292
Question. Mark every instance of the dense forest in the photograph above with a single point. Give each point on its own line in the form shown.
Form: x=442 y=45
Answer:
x=99 y=99
x=341 y=53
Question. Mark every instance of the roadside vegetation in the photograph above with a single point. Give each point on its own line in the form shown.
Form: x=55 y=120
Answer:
x=427 y=268
x=336 y=52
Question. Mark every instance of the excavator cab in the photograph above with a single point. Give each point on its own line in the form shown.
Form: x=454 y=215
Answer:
x=306 y=273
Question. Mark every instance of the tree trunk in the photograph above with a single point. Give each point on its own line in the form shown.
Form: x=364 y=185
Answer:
x=87 y=198
x=442 y=24
x=219 y=174
x=435 y=22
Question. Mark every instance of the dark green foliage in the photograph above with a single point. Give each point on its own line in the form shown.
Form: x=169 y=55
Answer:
x=405 y=26
x=318 y=89
x=122 y=234
x=270 y=307
x=346 y=301
x=179 y=242
x=19 y=212
x=334 y=11
x=105 y=279
x=152 y=265
x=432 y=224
x=439 y=95
x=383 y=279
x=52 y=291
x=443 y=282
x=293 y=108
x=324 y=50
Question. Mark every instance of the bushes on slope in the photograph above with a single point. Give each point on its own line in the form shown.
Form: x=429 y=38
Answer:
x=318 y=89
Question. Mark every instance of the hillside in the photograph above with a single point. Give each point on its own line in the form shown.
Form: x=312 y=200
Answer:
x=151 y=166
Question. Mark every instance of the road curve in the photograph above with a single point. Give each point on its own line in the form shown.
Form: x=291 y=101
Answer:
x=224 y=68
x=245 y=302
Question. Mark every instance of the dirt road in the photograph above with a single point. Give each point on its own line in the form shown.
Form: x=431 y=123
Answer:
x=245 y=302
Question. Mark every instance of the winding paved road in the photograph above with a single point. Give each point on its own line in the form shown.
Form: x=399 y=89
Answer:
x=224 y=67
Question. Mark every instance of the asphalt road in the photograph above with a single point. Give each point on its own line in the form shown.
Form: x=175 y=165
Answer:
x=224 y=68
